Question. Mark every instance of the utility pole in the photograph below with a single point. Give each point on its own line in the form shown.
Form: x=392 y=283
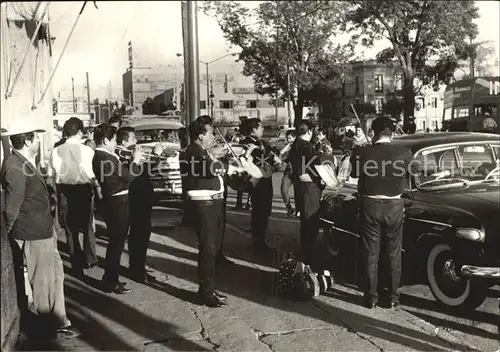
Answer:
x=109 y=101
x=277 y=67
x=193 y=61
x=208 y=90
x=88 y=95
x=73 y=89
x=211 y=99
x=289 y=106
x=472 y=58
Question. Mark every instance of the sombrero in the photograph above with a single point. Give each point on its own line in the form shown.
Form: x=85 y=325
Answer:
x=20 y=125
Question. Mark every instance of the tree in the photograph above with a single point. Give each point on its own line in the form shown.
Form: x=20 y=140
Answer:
x=278 y=34
x=393 y=105
x=484 y=54
x=417 y=31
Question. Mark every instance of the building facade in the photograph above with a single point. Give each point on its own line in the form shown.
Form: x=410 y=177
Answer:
x=140 y=84
x=372 y=82
x=230 y=93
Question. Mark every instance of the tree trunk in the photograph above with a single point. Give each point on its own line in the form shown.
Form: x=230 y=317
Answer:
x=408 y=98
x=297 y=111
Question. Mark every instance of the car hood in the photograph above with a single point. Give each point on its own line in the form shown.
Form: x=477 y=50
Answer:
x=467 y=207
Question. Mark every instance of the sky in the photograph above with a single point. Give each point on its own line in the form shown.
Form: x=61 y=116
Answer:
x=98 y=44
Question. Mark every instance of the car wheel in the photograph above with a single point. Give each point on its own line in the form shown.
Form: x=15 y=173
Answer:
x=446 y=286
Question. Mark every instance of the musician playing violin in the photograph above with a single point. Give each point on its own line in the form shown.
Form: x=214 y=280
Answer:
x=204 y=188
x=262 y=192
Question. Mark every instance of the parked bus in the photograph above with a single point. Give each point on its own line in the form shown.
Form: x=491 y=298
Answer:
x=467 y=103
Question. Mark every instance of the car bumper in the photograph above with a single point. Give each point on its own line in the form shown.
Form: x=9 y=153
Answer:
x=480 y=272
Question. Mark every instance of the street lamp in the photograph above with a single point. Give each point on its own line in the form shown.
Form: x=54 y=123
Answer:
x=206 y=69
x=176 y=86
x=211 y=99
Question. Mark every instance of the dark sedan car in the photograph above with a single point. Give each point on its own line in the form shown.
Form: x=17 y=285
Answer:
x=451 y=232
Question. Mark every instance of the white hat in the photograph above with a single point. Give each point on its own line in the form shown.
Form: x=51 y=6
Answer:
x=21 y=124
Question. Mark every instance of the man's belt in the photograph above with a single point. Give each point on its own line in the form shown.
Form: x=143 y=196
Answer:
x=202 y=194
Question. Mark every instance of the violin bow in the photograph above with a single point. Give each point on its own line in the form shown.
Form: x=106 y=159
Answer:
x=229 y=147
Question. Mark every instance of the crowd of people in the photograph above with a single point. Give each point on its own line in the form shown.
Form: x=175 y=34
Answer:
x=89 y=174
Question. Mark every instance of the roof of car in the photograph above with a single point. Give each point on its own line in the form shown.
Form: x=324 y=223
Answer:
x=153 y=123
x=423 y=140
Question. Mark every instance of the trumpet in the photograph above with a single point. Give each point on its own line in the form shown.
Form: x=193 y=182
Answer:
x=127 y=153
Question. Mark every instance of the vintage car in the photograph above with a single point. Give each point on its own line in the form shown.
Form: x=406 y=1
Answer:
x=166 y=176
x=451 y=235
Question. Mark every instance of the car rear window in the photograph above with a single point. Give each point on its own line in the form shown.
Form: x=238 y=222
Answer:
x=157 y=135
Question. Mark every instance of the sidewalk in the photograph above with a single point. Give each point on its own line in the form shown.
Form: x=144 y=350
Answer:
x=166 y=317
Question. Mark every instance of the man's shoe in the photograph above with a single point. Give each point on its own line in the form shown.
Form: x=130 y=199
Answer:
x=238 y=207
x=393 y=304
x=290 y=212
x=213 y=302
x=121 y=290
x=67 y=332
x=223 y=260
x=118 y=289
x=145 y=278
x=90 y=266
x=369 y=302
x=219 y=295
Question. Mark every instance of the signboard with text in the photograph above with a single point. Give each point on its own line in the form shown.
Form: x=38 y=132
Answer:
x=249 y=90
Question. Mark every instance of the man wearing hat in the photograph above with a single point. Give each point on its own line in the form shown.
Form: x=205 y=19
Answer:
x=29 y=221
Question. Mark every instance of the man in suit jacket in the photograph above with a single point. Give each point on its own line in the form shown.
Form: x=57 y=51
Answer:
x=115 y=179
x=29 y=222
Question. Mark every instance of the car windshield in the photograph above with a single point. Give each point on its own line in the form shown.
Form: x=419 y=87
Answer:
x=453 y=165
x=157 y=135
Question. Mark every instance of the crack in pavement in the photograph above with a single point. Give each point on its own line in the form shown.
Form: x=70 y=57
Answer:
x=203 y=331
x=349 y=328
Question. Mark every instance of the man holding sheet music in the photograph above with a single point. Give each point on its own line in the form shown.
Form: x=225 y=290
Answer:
x=307 y=187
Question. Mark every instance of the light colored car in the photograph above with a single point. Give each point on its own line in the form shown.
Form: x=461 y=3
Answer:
x=279 y=141
x=166 y=176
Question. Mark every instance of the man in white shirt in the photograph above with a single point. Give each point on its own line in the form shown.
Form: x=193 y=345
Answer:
x=75 y=182
x=489 y=124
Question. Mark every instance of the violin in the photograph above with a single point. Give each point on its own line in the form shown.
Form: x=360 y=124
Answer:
x=238 y=155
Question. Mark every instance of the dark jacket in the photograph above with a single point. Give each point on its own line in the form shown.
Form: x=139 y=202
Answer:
x=303 y=156
x=261 y=155
x=112 y=174
x=27 y=207
x=199 y=170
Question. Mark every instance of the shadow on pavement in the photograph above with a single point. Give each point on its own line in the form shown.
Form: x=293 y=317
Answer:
x=258 y=286
x=432 y=305
x=457 y=326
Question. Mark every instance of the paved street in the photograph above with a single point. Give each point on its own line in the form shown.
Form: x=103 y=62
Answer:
x=165 y=315
x=478 y=327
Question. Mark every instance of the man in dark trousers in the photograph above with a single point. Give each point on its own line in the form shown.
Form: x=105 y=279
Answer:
x=262 y=193
x=307 y=186
x=204 y=187
x=141 y=201
x=382 y=169
x=115 y=179
x=75 y=182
